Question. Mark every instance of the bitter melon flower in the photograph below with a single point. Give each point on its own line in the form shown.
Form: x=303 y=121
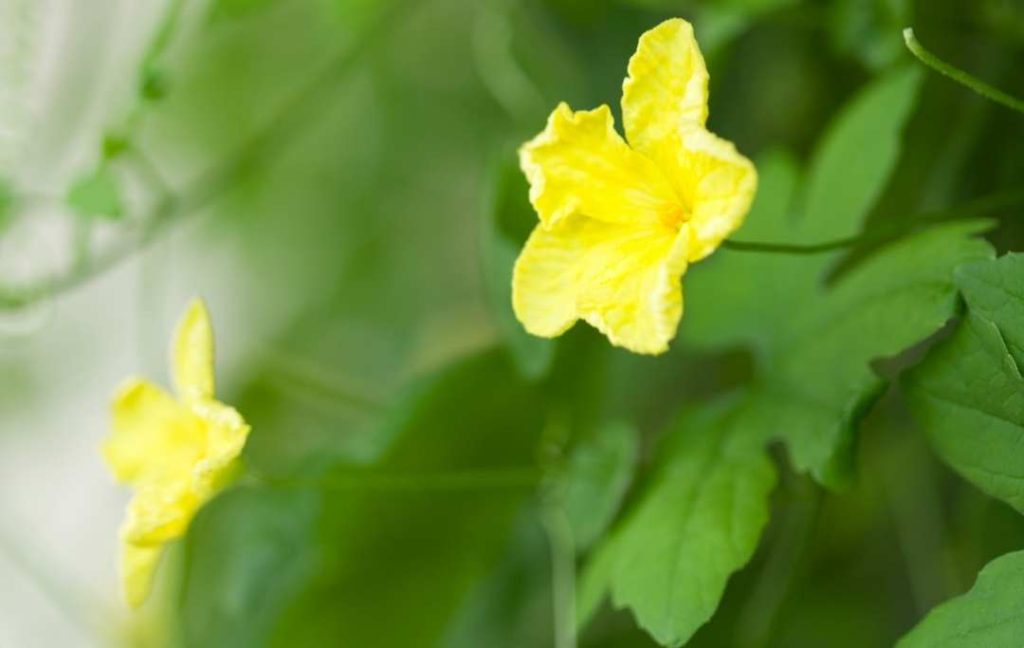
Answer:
x=619 y=223
x=176 y=451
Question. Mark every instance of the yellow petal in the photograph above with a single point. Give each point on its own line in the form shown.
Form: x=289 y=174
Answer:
x=623 y=280
x=138 y=564
x=666 y=92
x=193 y=353
x=226 y=436
x=161 y=510
x=152 y=433
x=579 y=164
x=717 y=184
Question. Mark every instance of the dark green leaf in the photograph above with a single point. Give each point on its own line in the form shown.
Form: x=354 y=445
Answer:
x=990 y=615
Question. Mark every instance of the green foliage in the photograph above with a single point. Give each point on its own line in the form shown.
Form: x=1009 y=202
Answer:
x=348 y=173
x=698 y=521
x=990 y=615
x=701 y=518
x=598 y=473
x=969 y=393
x=392 y=539
x=96 y=194
x=245 y=557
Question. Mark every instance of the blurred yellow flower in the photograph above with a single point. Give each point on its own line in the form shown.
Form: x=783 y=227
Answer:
x=619 y=223
x=176 y=453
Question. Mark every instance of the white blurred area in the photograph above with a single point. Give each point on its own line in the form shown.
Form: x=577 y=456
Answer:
x=67 y=72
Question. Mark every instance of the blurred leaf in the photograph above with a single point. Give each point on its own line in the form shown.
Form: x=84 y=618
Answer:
x=598 y=473
x=6 y=204
x=870 y=30
x=245 y=555
x=230 y=9
x=96 y=194
x=969 y=392
x=506 y=225
x=852 y=164
x=697 y=523
x=413 y=554
x=990 y=615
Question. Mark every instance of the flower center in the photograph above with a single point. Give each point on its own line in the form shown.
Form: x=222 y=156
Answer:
x=675 y=217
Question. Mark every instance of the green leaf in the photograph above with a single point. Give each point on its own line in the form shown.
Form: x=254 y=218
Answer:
x=599 y=472
x=506 y=225
x=990 y=615
x=96 y=194
x=245 y=555
x=402 y=550
x=848 y=172
x=696 y=524
x=819 y=377
x=969 y=393
x=851 y=167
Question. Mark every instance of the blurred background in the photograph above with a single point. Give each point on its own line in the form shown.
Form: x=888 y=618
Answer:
x=337 y=179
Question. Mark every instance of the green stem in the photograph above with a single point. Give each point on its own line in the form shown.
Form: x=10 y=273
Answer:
x=563 y=570
x=959 y=75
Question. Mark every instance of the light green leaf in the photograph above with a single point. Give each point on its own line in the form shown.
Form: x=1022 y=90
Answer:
x=969 y=392
x=697 y=523
x=990 y=615
x=506 y=224
x=96 y=194
x=598 y=473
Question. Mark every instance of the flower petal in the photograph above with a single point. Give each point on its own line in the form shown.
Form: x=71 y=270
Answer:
x=225 y=439
x=623 y=280
x=579 y=164
x=193 y=353
x=717 y=184
x=152 y=433
x=138 y=565
x=160 y=510
x=666 y=91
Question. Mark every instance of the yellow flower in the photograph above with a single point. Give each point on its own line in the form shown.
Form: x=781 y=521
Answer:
x=619 y=223
x=176 y=453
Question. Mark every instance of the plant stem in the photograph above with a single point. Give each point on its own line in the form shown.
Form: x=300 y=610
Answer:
x=958 y=75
